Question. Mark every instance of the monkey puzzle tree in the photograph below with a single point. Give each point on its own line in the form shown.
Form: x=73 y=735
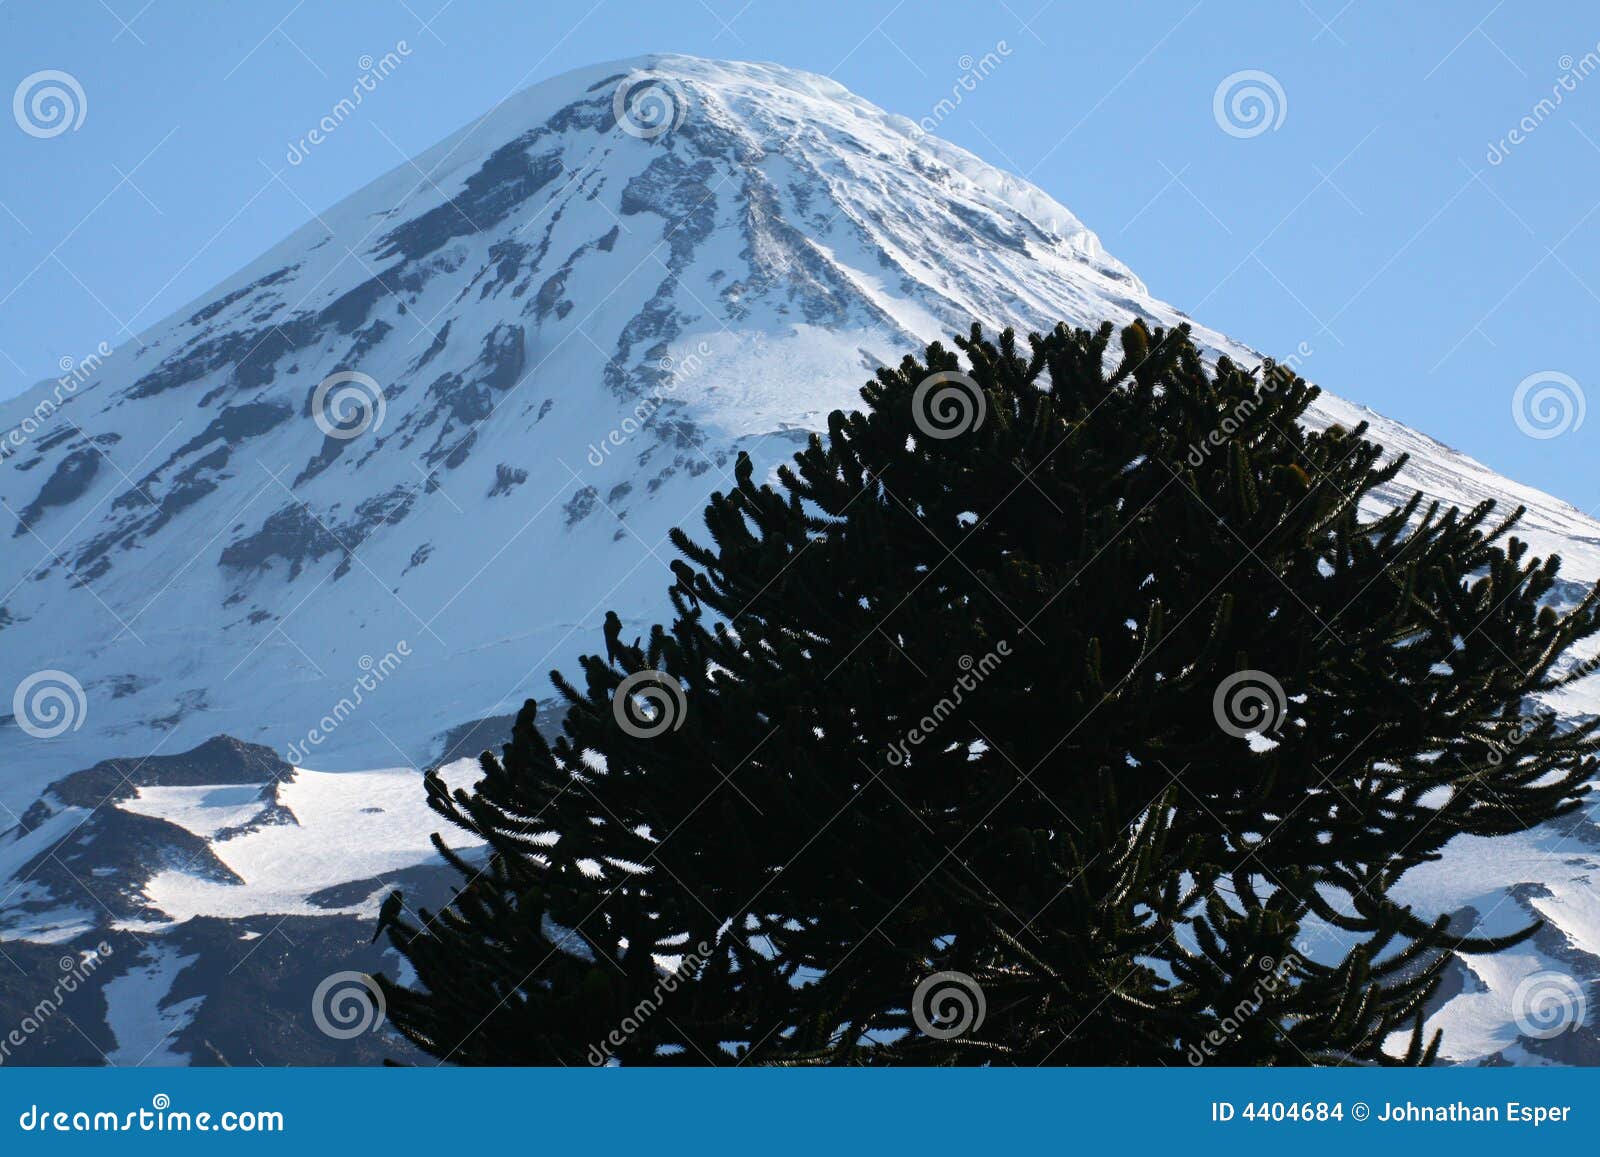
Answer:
x=1063 y=707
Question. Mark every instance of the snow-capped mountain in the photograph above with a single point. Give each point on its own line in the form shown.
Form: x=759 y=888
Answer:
x=370 y=490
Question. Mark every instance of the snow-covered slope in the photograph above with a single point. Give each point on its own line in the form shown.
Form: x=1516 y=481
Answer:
x=567 y=319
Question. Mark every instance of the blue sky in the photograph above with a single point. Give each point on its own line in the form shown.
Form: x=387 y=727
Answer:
x=1367 y=221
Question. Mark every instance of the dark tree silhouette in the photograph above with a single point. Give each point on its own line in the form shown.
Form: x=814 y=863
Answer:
x=1064 y=707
